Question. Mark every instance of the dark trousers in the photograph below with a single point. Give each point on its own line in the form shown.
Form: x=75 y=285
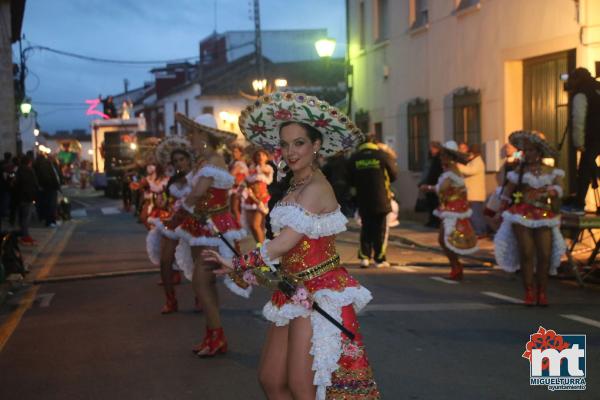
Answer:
x=373 y=237
x=586 y=173
x=25 y=211
x=48 y=204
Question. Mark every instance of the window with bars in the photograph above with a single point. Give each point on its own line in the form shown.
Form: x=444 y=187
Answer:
x=466 y=105
x=419 y=13
x=418 y=133
x=381 y=20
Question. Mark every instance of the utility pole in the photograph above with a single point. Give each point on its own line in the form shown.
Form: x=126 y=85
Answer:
x=258 y=41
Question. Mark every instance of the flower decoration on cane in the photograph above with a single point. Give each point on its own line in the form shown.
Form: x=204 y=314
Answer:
x=545 y=339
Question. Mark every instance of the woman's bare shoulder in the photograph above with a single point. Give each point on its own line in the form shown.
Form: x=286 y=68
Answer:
x=318 y=196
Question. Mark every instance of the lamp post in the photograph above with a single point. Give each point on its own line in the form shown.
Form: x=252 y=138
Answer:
x=259 y=85
x=325 y=47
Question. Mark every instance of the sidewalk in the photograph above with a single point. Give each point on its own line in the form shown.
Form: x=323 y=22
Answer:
x=42 y=235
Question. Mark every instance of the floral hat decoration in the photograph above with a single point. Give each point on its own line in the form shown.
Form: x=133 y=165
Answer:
x=260 y=121
x=538 y=139
x=166 y=147
x=205 y=124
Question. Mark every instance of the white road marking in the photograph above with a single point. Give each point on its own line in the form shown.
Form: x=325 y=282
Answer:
x=44 y=299
x=583 y=320
x=404 y=268
x=443 y=280
x=79 y=213
x=428 y=307
x=110 y=210
x=503 y=297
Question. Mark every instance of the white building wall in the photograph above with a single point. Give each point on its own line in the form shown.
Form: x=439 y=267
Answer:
x=481 y=49
x=190 y=94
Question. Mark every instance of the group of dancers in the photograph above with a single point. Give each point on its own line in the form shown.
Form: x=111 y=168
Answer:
x=313 y=347
x=529 y=236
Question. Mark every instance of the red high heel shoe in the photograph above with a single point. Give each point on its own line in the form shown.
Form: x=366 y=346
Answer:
x=175 y=279
x=529 y=296
x=542 y=300
x=171 y=304
x=214 y=343
x=456 y=274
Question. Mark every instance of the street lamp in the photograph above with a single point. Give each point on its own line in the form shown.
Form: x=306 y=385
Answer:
x=325 y=47
x=280 y=82
x=133 y=146
x=259 y=85
x=36 y=132
x=25 y=108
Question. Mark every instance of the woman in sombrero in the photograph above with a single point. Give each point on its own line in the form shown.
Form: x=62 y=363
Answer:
x=529 y=237
x=304 y=355
x=457 y=236
x=162 y=240
x=208 y=215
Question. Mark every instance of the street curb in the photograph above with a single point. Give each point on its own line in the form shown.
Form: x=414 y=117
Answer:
x=99 y=275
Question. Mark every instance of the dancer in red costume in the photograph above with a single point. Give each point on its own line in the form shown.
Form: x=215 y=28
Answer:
x=305 y=356
x=457 y=236
x=529 y=237
x=162 y=240
x=207 y=207
x=239 y=169
x=257 y=194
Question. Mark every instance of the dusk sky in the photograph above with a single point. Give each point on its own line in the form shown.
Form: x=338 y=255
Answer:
x=137 y=30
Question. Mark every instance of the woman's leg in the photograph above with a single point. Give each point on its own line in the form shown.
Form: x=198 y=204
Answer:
x=255 y=225
x=167 y=258
x=205 y=288
x=456 y=267
x=299 y=360
x=236 y=207
x=272 y=370
x=525 y=245
x=543 y=246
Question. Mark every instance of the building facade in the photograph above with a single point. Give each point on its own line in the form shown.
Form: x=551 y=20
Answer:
x=469 y=70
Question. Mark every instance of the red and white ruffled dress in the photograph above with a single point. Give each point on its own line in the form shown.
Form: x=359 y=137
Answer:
x=341 y=366
x=164 y=222
x=258 y=182
x=531 y=215
x=214 y=206
x=239 y=170
x=455 y=213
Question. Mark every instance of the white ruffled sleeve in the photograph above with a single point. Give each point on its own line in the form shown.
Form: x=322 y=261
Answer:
x=302 y=221
x=222 y=179
x=179 y=192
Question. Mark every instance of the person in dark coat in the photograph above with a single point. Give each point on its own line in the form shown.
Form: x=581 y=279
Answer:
x=370 y=173
x=434 y=170
x=26 y=186
x=335 y=171
x=49 y=178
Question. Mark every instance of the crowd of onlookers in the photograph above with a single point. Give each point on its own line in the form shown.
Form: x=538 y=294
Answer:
x=29 y=186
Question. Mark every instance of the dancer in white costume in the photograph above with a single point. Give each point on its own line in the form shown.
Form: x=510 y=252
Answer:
x=529 y=237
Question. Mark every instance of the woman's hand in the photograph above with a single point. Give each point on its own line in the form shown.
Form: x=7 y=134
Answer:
x=214 y=257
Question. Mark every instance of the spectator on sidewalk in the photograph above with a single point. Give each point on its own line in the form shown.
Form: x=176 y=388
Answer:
x=474 y=175
x=26 y=186
x=5 y=168
x=370 y=173
x=48 y=175
x=433 y=171
x=335 y=172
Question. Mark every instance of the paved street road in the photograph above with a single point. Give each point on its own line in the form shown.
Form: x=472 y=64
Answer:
x=104 y=338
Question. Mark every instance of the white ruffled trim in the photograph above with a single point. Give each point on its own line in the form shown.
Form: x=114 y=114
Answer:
x=302 y=221
x=449 y=227
x=265 y=256
x=452 y=214
x=231 y=285
x=507 y=251
x=536 y=182
x=326 y=340
x=179 y=193
x=260 y=177
x=153 y=246
x=159 y=226
x=184 y=259
x=222 y=179
x=530 y=223
x=449 y=175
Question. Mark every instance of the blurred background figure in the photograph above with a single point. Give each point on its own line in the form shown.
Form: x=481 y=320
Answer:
x=334 y=170
x=257 y=196
x=431 y=173
x=474 y=174
x=239 y=169
x=26 y=186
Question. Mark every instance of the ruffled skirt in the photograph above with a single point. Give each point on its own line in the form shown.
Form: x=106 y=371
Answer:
x=505 y=242
x=341 y=366
x=459 y=235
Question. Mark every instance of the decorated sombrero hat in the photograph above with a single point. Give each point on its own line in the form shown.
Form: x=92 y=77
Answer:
x=451 y=148
x=205 y=123
x=167 y=146
x=538 y=139
x=260 y=121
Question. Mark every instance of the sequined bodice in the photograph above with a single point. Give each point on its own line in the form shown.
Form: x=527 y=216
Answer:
x=453 y=198
x=213 y=199
x=308 y=253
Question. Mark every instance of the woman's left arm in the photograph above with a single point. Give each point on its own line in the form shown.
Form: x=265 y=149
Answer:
x=556 y=189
